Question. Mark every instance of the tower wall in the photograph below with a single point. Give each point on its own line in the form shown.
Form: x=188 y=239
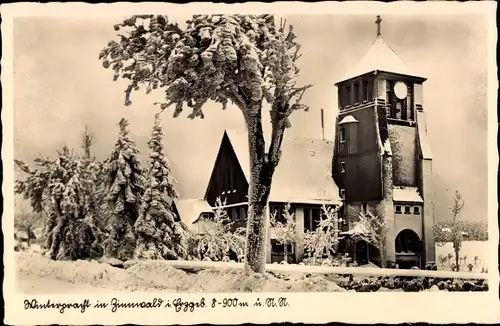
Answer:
x=404 y=157
x=360 y=155
x=426 y=189
x=386 y=206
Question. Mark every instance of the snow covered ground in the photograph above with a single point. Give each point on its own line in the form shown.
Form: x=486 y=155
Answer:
x=470 y=249
x=37 y=274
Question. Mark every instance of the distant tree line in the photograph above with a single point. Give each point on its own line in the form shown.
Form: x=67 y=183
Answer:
x=472 y=231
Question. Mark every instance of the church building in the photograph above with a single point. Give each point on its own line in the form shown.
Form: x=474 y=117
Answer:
x=382 y=162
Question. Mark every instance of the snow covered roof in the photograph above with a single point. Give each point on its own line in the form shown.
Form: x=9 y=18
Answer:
x=190 y=210
x=380 y=57
x=348 y=119
x=303 y=174
x=406 y=195
x=357 y=229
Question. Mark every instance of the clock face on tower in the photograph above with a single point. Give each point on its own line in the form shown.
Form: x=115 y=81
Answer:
x=400 y=90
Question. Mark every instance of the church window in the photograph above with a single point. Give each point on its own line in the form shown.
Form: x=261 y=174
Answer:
x=398 y=209
x=243 y=213
x=407 y=210
x=398 y=110
x=342 y=135
x=278 y=248
x=206 y=216
x=356 y=93
x=416 y=210
x=236 y=215
x=364 y=90
x=348 y=95
x=342 y=167
x=364 y=208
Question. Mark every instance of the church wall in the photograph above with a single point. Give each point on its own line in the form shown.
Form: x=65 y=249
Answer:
x=408 y=221
x=404 y=146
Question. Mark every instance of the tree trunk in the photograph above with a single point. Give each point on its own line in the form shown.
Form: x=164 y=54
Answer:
x=261 y=173
x=285 y=253
x=457 y=259
x=28 y=231
x=383 y=260
x=56 y=236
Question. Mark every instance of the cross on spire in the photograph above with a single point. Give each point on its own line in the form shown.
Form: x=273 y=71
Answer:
x=378 y=22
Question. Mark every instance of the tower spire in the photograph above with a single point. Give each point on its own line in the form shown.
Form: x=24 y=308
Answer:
x=378 y=22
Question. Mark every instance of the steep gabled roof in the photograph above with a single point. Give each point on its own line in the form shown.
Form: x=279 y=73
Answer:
x=380 y=57
x=303 y=174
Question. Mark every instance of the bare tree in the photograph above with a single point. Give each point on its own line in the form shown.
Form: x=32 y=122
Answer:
x=243 y=59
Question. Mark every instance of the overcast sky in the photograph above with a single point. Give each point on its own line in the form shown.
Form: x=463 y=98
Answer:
x=60 y=86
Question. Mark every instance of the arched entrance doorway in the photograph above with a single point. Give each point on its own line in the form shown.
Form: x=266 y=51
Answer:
x=408 y=249
x=361 y=252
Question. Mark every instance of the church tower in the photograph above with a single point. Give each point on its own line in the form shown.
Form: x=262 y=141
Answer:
x=382 y=162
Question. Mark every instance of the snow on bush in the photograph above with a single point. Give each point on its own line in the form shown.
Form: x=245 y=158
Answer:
x=219 y=242
x=321 y=243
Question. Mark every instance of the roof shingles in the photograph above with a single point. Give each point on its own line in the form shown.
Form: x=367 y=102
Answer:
x=303 y=174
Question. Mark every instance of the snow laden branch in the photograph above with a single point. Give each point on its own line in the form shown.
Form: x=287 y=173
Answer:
x=241 y=59
x=160 y=235
x=373 y=229
x=325 y=237
x=284 y=228
x=124 y=184
x=62 y=188
x=218 y=241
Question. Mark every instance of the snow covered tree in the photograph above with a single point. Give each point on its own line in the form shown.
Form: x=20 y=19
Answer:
x=284 y=229
x=219 y=242
x=243 y=59
x=325 y=238
x=374 y=231
x=456 y=230
x=124 y=187
x=26 y=222
x=59 y=187
x=159 y=235
x=94 y=205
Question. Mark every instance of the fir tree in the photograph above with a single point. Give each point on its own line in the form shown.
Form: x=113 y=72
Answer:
x=124 y=186
x=60 y=188
x=96 y=191
x=159 y=235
